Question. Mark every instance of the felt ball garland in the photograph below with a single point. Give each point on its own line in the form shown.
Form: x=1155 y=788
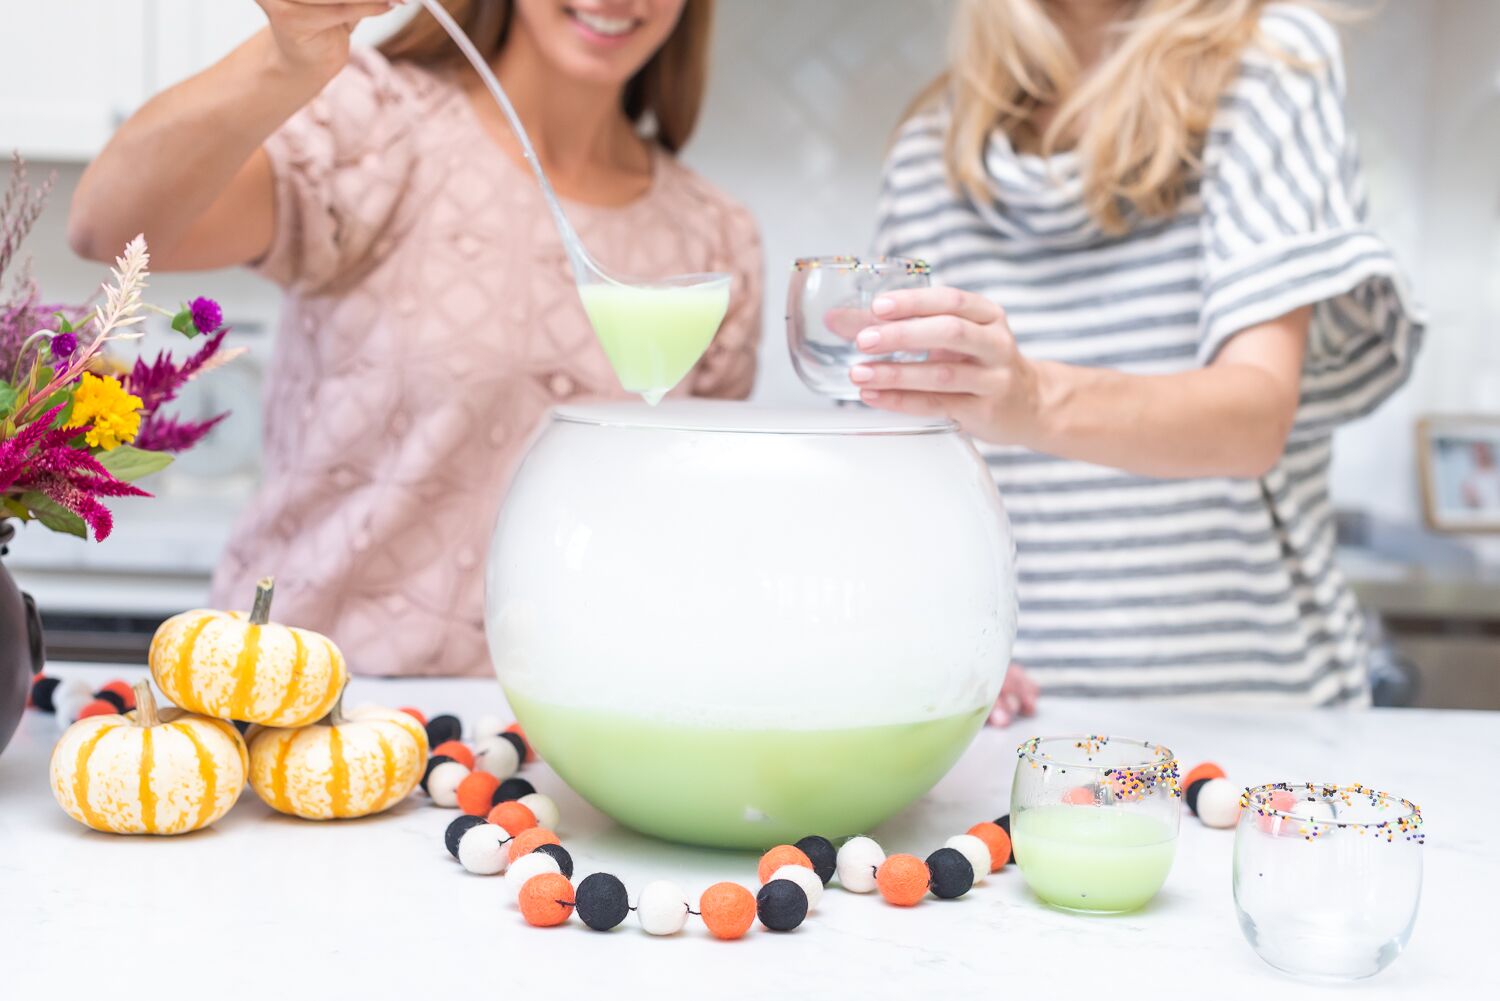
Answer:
x=603 y=902
x=73 y=699
x=1210 y=796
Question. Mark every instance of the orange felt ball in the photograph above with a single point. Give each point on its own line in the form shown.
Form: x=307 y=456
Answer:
x=98 y=707
x=124 y=691
x=529 y=841
x=456 y=750
x=546 y=900
x=1207 y=770
x=515 y=728
x=728 y=910
x=779 y=856
x=415 y=714
x=476 y=792
x=514 y=816
x=1079 y=796
x=903 y=880
x=996 y=840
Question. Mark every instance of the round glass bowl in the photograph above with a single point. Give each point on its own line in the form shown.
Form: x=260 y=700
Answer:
x=1327 y=878
x=1093 y=820
x=734 y=626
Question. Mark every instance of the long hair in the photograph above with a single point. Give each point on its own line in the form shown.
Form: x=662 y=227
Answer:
x=1139 y=120
x=669 y=88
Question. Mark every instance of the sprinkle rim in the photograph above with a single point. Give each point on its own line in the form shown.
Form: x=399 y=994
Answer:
x=870 y=265
x=1156 y=754
x=1256 y=799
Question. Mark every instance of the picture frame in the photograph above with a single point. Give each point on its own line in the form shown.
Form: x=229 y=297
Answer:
x=1458 y=461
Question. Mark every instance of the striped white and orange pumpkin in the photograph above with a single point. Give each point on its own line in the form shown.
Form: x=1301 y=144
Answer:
x=245 y=667
x=148 y=773
x=343 y=766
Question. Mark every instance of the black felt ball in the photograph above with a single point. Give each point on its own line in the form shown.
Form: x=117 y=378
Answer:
x=952 y=875
x=781 y=905
x=113 y=698
x=561 y=856
x=518 y=742
x=41 y=693
x=433 y=762
x=1191 y=795
x=1004 y=822
x=821 y=853
x=441 y=729
x=512 y=789
x=458 y=829
x=601 y=901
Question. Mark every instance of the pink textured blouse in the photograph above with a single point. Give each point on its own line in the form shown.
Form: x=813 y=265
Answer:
x=430 y=321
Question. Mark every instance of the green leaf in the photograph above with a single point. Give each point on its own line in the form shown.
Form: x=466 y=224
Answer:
x=15 y=507
x=8 y=398
x=183 y=324
x=64 y=326
x=54 y=515
x=128 y=463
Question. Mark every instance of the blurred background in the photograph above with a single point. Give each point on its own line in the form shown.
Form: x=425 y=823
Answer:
x=801 y=103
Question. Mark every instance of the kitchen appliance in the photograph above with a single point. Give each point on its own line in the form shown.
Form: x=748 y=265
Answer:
x=735 y=626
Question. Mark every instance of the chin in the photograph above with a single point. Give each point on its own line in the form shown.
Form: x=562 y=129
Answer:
x=600 y=41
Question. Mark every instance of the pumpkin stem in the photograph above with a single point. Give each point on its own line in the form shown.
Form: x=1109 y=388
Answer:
x=260 y=612
x=335 y=715
x=145 y=704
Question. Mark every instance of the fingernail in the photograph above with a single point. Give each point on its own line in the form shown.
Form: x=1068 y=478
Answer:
x=883 y=304
x=868 y=338
x=861 y=373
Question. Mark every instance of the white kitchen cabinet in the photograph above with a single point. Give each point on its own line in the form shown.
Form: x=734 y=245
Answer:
x=69 y=73
x=72 y=70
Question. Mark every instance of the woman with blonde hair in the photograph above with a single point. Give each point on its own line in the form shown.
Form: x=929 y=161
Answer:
x=1162 y=297
x=430 y=319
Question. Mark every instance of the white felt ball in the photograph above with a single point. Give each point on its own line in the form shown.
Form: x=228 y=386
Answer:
x=805 y=878
x=496 y=756
x=68 y=700
x=486 y=727
x=542 y=808
x=1309 y=810
x=524 y=868
x=662 y=908
x=973 y=849
x=442 y=783
x=1219 y=803
x=483 y=849
x=857 y=861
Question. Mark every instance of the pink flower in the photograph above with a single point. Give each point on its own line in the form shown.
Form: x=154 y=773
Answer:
x=207 y=316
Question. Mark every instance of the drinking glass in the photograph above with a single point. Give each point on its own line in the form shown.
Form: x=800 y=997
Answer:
x=1327 y=877
x=1094 y=820
x=828 y=304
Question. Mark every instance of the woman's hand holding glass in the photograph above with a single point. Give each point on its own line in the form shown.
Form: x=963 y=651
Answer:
x=973 y=373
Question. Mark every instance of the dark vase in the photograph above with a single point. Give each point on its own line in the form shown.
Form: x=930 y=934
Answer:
x=20 y=645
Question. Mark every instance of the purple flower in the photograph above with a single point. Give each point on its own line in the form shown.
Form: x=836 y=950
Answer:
x=63 y=345
x=207 y=316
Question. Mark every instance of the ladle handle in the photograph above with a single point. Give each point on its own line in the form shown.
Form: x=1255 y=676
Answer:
x=584 y=270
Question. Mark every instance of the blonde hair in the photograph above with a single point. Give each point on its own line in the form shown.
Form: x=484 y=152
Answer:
x=669 y=87
x=1138 y=121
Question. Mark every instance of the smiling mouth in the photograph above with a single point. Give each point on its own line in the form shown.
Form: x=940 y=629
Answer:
x=608 y=27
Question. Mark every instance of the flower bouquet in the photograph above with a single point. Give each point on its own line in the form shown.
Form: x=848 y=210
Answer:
x=76 y=426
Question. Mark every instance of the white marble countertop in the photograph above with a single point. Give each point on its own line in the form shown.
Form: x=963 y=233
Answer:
x=267 y=906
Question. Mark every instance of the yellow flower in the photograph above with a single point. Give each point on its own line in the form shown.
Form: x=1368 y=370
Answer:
x=114 y=415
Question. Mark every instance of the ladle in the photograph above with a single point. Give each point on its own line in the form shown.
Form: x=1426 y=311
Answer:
x=653 y=332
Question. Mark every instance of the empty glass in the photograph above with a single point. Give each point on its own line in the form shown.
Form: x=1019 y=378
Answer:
x=828 y=304
x=1093 y=820
x=1327 y=877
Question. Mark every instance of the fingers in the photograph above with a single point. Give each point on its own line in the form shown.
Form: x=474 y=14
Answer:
x=927 y=377
x=846 y=322
x=989 y=342
x=999 y=716
x=938 y=301
x=959 y=407
x=319 y=15
x=1025 y=689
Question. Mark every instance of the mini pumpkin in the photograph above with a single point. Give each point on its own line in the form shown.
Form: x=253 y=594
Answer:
x=148 y=772
x=234 y=666
x=341 y=766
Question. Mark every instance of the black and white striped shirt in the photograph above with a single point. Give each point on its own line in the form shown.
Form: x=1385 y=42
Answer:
x=1131 y=585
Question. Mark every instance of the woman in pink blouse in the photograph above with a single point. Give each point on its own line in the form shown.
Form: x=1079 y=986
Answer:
x=430 y=318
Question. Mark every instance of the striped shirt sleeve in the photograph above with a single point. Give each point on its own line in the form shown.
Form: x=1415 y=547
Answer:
x=1286 y=225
